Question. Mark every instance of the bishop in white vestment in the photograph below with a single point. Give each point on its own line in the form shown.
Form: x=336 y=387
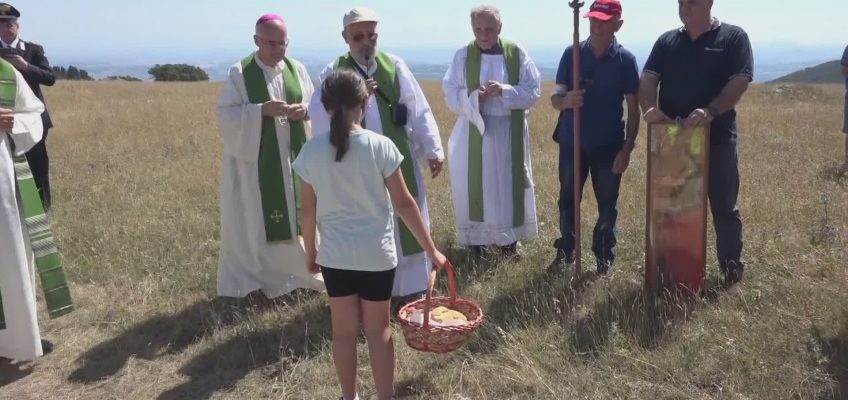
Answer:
x=261 y=248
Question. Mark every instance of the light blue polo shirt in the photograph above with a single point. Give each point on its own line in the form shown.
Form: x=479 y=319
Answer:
x=354 y=211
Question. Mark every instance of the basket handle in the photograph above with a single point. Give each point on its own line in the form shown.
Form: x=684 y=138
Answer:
x=451 y=282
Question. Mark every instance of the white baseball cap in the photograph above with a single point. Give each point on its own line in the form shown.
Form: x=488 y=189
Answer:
x=359 y=14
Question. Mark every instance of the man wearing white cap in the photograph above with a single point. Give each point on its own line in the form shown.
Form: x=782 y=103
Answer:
x=398 y=110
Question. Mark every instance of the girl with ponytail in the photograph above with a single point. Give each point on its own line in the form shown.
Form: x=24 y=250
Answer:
x=344 y=96
x=351 y=187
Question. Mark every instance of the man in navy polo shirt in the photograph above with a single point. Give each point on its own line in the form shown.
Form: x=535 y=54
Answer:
x=845 y=123
x=609 y=76
x=702 y=70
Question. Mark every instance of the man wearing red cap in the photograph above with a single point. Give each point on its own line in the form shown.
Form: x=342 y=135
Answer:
x=262 y=115
x=702 y=70
x=609 y=76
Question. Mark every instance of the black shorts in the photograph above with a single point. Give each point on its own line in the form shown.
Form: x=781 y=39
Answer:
x=371 y=286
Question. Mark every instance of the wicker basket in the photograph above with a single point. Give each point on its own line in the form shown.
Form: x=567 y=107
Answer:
x=439 y=339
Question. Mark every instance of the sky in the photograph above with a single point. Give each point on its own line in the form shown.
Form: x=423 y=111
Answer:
x=194 y=31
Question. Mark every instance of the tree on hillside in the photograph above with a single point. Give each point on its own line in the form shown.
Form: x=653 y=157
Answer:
x=126 y=78
x=177 y=72
x=71 y=73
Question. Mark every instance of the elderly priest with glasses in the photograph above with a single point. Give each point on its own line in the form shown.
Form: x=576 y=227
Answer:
x=397 y=109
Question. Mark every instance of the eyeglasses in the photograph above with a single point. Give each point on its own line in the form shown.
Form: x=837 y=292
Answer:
x=359 y=36
x=274 y=43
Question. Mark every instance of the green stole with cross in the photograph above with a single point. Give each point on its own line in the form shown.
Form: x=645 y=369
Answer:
x=388 y=83
x=512 y=56
x=272 y=189
x=48 y=262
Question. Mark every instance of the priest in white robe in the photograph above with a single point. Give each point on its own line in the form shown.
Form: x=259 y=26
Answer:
x=21 y=339
x=262 y=115
x=490 y=85
x=415 y=133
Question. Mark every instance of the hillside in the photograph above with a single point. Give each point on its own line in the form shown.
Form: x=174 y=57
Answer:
x=829 y=72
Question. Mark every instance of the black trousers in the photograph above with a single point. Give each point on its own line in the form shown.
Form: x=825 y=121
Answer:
x=39 y=163
x=723 y=193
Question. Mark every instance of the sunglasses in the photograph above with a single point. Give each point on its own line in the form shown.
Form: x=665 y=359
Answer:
x=359 y=36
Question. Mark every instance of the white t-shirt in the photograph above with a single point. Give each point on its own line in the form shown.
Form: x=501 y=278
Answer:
x=354 y=211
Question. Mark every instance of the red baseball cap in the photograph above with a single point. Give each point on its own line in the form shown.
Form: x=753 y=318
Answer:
x=604 y=10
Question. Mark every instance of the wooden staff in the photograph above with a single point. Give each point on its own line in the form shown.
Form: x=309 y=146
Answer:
x=575 y=79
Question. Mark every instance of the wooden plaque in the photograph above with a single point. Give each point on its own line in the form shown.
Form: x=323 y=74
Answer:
x=678 y=174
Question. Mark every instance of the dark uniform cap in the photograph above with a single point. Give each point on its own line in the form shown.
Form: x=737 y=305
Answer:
x=7 y=11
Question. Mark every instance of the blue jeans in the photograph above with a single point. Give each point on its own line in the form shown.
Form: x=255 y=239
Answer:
x=723 y=193
x=597 y=162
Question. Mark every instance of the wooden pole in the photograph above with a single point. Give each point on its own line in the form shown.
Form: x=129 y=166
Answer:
x=575 y=79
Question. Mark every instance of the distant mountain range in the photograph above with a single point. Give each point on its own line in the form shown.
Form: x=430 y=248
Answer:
x=771 y=61
x=218 y=71
x=829 y=72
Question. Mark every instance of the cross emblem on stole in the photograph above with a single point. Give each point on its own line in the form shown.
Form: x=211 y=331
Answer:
x=277 y=216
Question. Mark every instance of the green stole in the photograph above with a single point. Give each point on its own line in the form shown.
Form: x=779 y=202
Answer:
x=48 y=263
x=387 y=81
x=475 y=139
x=272 y=187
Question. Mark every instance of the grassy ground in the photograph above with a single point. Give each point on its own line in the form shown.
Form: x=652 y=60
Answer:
x=136 y=173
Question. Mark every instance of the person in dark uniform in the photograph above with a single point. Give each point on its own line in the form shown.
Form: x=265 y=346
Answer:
x=30 y=60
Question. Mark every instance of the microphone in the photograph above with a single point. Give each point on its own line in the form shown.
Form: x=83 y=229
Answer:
x=367 y=65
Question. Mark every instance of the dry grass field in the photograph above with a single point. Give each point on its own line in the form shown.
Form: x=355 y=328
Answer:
x=136 y=168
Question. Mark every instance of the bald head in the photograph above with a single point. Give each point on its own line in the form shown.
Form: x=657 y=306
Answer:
x=271 y=38
x=270 y=23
